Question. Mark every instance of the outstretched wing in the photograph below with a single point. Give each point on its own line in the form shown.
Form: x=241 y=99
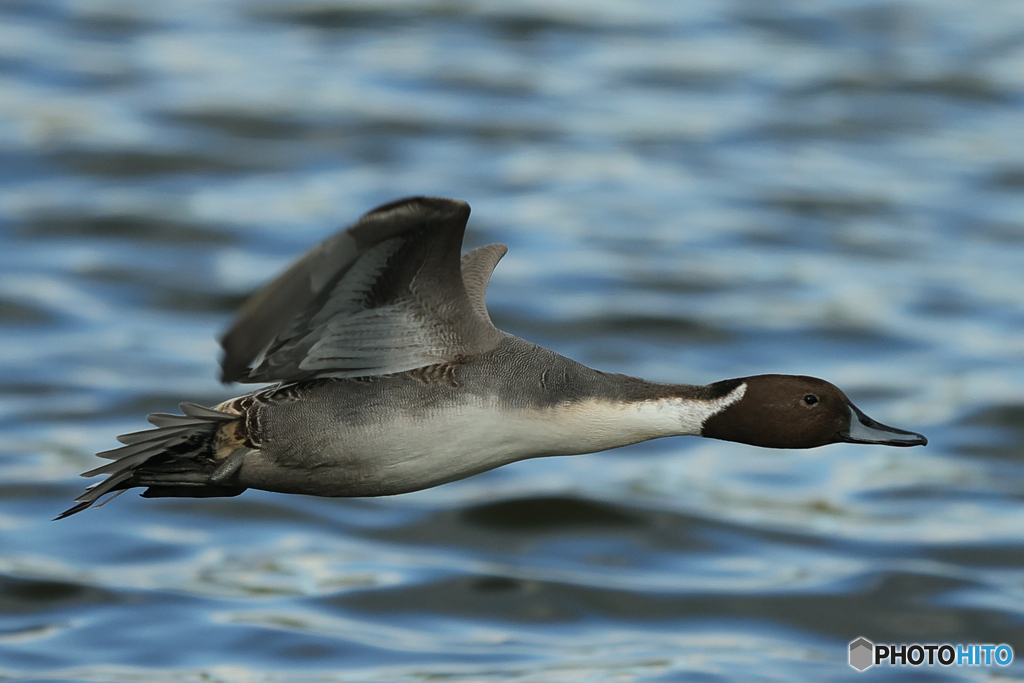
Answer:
x=386 y=295
x=477 y=267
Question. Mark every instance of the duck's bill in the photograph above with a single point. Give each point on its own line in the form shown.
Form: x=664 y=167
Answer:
x=865 y=430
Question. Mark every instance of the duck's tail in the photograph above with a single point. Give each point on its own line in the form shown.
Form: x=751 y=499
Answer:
x=177 y=459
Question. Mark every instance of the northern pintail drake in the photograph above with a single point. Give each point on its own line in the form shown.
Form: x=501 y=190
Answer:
x=389 y=377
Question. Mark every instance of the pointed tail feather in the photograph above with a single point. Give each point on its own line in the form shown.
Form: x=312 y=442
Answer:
x=164 y=458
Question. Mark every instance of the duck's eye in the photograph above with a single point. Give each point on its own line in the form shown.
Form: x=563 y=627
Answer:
x=810 y=399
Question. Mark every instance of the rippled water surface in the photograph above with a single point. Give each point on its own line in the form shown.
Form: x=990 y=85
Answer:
x=691 y=191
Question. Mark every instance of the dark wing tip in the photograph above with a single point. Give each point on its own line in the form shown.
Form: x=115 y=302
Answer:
x=395 y=218
x=232 y=368
x=455 y=208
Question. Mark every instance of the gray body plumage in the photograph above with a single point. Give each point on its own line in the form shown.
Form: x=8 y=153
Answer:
x=412 y=430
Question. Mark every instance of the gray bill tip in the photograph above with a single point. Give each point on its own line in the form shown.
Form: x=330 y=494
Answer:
x=863 y=429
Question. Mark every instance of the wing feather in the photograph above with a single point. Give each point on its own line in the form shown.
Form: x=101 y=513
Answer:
x=477 y=267
x=386 y=295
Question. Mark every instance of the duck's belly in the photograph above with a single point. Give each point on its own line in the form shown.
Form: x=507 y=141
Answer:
x=418 y=450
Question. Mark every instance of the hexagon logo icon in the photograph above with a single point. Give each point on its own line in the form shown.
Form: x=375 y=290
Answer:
x=862 y=654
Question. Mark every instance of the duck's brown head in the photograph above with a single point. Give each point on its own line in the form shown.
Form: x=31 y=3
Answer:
x=791 y=411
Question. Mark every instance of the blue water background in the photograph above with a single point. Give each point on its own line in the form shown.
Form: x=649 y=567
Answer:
x=691 y=191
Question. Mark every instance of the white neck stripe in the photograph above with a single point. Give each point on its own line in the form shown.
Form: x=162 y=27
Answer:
x=695 y=413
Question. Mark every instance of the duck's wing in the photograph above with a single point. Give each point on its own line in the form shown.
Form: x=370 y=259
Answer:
x=385 y=295
x=477 y=267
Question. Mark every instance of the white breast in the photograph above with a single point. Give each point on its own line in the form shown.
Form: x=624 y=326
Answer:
x=407 y=454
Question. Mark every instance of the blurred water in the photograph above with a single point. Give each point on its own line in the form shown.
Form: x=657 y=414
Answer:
x=691 y=191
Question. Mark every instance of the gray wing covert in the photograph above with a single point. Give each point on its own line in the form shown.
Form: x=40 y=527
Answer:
x=386 y=295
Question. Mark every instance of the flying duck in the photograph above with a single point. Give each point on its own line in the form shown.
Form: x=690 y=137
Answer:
x=387 y=376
